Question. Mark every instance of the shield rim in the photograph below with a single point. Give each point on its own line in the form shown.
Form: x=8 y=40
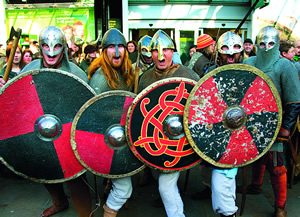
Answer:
x=242 y=67
x=128 y=120
x=36 y=72
x=73 y=131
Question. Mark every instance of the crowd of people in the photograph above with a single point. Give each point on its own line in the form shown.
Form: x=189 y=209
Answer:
x=112 y=65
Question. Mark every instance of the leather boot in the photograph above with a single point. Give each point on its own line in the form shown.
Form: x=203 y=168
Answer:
x=109 y=212
x=279 y=212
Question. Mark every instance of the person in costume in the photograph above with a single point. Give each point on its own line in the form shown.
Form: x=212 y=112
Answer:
x=144 y=59
x=112 y=70
x=222 y=185
x=162 y=49
x=285 y=77
x=53 y=48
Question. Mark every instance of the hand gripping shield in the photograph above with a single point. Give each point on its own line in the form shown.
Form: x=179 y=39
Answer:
x=37 y=110
x=98 y=136
x=154 y=126
x=233 y=115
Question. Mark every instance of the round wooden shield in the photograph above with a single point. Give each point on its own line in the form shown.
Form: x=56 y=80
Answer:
x=37 y=111
x=154 y=126
x=233 y=115
x=98 y=136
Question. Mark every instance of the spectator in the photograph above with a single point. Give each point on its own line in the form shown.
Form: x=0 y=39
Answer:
x=17 y=63
x=89 y=56
x=248 y=49
x=27 y=55
x=132 y=50
x=206 y=47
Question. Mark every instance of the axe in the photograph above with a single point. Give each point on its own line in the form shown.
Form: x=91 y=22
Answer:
x=14 y=35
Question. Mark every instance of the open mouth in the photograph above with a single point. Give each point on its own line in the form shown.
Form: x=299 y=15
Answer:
x=162 y=62
x=230 y=59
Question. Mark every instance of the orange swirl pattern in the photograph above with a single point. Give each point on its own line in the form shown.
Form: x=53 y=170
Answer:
x=158 y=143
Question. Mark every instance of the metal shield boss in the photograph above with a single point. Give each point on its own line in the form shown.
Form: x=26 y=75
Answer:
x=154 y=126
x=37 y=111
x=233 y=115
x=98 y=136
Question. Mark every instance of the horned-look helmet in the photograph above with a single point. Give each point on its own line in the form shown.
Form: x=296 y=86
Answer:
x=266 y=35
x=52 y=35
x=144 y=43
x=160 y=41
x=113 y=37
x=230 y=40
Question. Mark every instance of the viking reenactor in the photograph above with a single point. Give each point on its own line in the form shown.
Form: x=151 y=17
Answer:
x=53 y=47
x=144 y=59
x=223 y=186
x=162 y=49
x=112 y=70
x=285 y=77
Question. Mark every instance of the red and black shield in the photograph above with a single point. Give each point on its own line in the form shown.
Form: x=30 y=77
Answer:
x=154 y=126
x=37 y=111
x=233 y=115
x=98 y=136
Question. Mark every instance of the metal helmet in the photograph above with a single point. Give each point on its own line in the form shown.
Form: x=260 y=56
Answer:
x=144 y=43
x=230 y=39
x=266 y=35
x=160 y=41
x=113 y=37
x=52 y=35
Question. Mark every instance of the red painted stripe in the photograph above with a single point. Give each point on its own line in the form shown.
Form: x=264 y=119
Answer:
x=68 y=161
x=259 y=98
x=20 y=107
x=207 y=106
x=93 y=151
x=241 y=148
x=127 y=103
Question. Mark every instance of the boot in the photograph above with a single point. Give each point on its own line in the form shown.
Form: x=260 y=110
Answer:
x=279 y=212
x=109 y=212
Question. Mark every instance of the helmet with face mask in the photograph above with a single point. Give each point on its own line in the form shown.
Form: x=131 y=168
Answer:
x=52 y=35
x=266 y=35
x=144 y=51
x=144 y=43
x=267 y=56
x=230 y=40
x=160 y=41
x=113 y=37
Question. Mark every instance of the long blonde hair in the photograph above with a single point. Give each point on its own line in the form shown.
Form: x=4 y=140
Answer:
x=110 y=73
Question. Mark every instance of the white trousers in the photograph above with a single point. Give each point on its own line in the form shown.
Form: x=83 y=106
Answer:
x=169 y=192
x=120 y=192
x=223 y=194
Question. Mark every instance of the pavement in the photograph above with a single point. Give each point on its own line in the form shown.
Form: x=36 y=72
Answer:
x=23 y=198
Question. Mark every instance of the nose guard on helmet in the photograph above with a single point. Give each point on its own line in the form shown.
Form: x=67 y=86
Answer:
x=52 y=36
x=161 y=41
x=268 y=35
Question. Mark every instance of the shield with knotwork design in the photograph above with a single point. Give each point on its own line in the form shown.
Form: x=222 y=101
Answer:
x=154 y=126
x=233 y=115
x=37 y=111
x=98 y=136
